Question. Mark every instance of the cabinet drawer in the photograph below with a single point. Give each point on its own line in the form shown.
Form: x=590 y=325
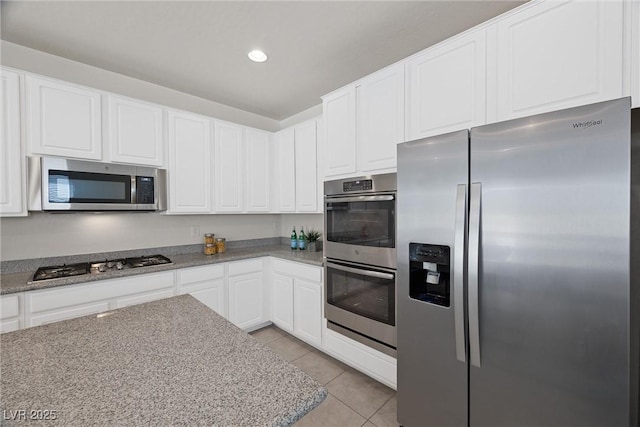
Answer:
x=71 y=313
x=9 y=306
x=146 y=297
x=103 y=290
x=244 y=267
x=297 y=269
x=200 y=274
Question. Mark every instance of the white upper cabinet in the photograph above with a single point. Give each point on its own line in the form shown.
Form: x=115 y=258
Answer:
x=380 y=118
x=12 y=164
x=446 y=87
x=189 y=172
x=229 y=157
x=339 y=114
x=257 y=170
x=306 y=172
x=555 y=55
x=285 y=170
x=63 y=119
x=135 y=131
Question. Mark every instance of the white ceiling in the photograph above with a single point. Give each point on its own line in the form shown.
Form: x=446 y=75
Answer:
x=200 y=47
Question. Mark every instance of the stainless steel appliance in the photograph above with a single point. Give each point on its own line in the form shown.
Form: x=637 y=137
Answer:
x=97 y=267
x=359 y=219
x=516 y=304
x=360 y=259
x=57 y=184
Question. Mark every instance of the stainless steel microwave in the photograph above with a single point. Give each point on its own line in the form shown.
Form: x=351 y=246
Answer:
x=57 y=184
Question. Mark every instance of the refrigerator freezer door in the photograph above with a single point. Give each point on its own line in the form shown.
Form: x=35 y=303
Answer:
x=553 y=269
x=432 y=381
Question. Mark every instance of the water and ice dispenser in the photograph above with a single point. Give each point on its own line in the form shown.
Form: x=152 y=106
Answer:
x=429 y=273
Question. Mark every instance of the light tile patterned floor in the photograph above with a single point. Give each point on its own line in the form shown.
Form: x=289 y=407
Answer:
x=354 y=399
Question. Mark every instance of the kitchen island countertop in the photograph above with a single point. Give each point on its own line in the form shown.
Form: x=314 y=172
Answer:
x=167 y=362
x=18 y=282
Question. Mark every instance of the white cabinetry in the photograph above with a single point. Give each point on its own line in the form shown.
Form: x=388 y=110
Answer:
x=380 y=118
x=339 y=114
x=63 y=119
x=206 y=284
x=306 y=167
x=296 y=171
x=282 y=312
x=11 y=312
x=246 y=293
x=554 y=55
x=68 y=302
x=135 y=131
x=12 y=163
x=285 y=170
x=446 y=86
x=297 y=299
x=257 y=159
x=189 y=163
x=363 y=123
x=229 y=172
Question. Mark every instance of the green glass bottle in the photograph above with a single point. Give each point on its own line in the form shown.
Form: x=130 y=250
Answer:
x=302 y=240
x=294 y=239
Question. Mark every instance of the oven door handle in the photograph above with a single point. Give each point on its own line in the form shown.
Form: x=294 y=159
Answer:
x=379 y=198
x=369 y=273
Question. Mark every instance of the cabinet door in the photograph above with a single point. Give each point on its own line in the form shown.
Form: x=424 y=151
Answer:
x=245 y=300
x=12 y=176
x=211 y=294
x=11 y=312
x=380 y=118
x=189 y=163
x=135 y=132
x=285 y=170
x=446 y=87
x=307 y=309
x=257 y=158
x=339 y=115
x=228 y=160
x=558 y=54
x=306 y=172
x=283 y=301
x=63 y=119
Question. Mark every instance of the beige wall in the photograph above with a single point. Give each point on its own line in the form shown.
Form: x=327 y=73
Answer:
x=45 y=235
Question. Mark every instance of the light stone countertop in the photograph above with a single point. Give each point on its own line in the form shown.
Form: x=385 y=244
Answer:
x=18 y=282
x=167 y=362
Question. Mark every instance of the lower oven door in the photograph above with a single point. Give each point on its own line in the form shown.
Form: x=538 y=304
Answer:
x=362 y=300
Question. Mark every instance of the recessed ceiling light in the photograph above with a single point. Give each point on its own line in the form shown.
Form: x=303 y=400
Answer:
x=257 y=56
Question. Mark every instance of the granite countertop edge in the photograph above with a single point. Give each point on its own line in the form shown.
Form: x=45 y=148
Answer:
x=11 y=283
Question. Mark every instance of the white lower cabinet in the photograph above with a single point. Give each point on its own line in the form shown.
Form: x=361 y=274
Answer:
x=246 y=293
x=297 y=300
x=11 y=312
x=206 y=284
x=68 y=302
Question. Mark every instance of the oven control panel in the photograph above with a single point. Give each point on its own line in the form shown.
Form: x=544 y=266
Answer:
x=359 y=185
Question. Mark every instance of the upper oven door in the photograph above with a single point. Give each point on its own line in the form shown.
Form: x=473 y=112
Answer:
x=361 y=228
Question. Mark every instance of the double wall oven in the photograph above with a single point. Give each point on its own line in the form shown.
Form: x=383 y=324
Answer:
x=360 y=259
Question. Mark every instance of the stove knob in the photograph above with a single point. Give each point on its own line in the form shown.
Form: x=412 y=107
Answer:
x=102 y=268
x=119 y=265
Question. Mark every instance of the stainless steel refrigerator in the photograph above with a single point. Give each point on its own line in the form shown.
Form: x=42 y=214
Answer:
x=517 y=272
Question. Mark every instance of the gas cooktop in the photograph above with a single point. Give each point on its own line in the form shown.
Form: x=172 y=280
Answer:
x=97 y=267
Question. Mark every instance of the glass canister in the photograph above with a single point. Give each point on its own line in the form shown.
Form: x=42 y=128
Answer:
x=210 y=249
x=221 y=244
x=208 y=238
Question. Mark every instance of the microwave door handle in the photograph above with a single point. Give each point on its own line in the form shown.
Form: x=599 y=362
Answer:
x=380 y=198
x=368 y=273
x=134 y=196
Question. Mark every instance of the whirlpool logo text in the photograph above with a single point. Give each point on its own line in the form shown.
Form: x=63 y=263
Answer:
x=584 y=125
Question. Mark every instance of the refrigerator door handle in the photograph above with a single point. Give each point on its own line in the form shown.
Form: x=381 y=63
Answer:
x=474 y=261
x=458 y=270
